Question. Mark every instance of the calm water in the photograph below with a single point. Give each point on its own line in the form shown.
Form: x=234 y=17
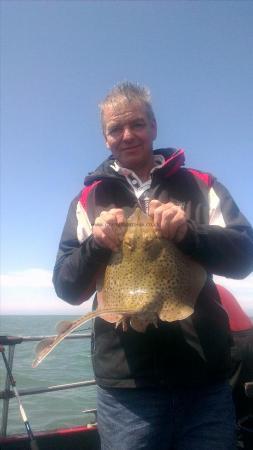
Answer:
x=70 y=362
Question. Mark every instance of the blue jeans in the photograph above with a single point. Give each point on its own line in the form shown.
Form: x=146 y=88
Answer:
x=200 y=418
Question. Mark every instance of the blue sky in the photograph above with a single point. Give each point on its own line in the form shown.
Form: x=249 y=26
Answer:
x=58 y=59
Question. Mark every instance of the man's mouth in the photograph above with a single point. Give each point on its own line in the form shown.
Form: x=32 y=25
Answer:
x=133 y=147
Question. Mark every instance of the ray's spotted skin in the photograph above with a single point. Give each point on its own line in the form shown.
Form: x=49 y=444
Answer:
x=147 y=279
x=149 y=275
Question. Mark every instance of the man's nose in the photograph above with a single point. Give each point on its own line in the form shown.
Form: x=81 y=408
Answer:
x=127 y=134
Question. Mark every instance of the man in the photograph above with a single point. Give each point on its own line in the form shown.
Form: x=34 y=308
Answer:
x=165 y=388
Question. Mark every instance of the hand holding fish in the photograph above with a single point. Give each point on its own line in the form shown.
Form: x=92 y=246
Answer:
x=108 y=230
x=169 y=219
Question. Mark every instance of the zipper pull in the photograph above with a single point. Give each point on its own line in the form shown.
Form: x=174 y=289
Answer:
x=144 y=203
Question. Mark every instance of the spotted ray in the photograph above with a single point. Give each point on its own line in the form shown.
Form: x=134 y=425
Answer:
x=148 y=279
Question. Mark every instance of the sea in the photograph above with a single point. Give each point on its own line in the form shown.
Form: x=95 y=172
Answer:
x=70 y=362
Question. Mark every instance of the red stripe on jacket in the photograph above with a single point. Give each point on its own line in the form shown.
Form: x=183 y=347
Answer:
x=86 y=192
x=205 y=177
x=179 y=158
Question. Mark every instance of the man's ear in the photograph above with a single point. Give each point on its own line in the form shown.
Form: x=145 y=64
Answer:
x=154 y=129
x=105 y=139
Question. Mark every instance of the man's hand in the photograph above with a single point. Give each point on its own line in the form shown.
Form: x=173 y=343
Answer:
x=109 y=227
x=169 y=220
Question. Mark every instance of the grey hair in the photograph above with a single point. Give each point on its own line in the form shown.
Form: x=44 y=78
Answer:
x=132 y=93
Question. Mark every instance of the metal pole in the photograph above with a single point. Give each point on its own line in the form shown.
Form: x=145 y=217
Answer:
x=33 y=443
x=6 y=400
x=44 y=390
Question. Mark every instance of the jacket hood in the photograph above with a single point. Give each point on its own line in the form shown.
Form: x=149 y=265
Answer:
x=174 y=159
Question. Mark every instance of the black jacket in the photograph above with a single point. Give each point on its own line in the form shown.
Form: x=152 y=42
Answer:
x=192 y=351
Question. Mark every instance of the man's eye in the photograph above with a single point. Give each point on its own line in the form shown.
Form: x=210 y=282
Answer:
x=138 y=125
x=114 y=130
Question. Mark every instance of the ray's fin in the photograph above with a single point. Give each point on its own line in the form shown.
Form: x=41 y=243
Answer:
x=45 y=343
x=63 y=326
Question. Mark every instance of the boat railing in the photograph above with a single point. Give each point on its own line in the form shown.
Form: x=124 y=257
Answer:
x=7 y=393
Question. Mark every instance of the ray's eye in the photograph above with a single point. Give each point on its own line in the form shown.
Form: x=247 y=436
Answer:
x=152 y=248
x=130 y=244
x=148 y=243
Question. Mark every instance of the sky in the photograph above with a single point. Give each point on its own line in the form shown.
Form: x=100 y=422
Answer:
x=58 y=60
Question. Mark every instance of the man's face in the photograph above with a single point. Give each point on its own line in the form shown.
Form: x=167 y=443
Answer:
x=129 y=134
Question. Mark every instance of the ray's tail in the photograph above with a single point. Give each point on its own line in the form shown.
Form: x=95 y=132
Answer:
x=65 y=328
